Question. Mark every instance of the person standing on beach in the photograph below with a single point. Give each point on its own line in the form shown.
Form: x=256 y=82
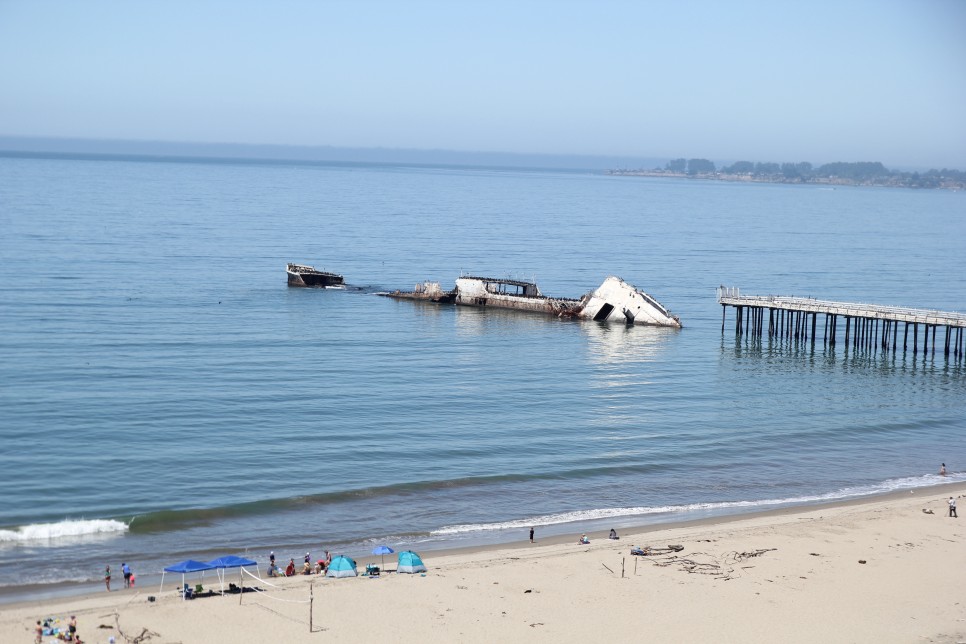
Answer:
x=107 y=577
x=942 y=470
x=72 y=628
x=40 y=633
x=271 y=558
x=126 y=571
x=952 y=508
x=531 y=535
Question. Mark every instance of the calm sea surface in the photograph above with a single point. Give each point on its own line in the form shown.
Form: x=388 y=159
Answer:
x=164 y=395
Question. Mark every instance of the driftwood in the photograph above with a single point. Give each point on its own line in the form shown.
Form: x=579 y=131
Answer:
x=718 y=566
x=648 y=551
x=136 y=639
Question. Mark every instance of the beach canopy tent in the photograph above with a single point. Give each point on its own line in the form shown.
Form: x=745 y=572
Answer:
x=341 y=566
x=230 y=561
x=185 y=567
x=410 y=562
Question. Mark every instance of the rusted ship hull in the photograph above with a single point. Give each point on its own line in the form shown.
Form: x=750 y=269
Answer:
x=427 y=292
x=307 y=276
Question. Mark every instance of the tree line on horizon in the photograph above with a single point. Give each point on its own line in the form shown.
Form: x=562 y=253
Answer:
x=803 y=172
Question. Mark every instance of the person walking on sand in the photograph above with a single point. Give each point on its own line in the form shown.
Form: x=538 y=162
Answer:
x=126 y=571
x=942 y=470
x=107 y=577
x=952 y=508
x=531 y=534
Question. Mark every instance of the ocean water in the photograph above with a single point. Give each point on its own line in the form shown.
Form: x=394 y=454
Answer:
x=164 y=395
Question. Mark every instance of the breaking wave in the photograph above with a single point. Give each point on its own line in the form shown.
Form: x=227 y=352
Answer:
x=67 y=529
x=704 y=509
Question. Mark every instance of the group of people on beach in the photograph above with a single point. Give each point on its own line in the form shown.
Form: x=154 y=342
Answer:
x=307 y=568
x=125 y=570
x=583 y=540
x=49 y=628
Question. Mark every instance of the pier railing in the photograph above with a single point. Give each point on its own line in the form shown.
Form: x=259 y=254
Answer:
x=873 y=323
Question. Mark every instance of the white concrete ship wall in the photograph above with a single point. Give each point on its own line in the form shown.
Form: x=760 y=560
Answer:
x=617 y=301
x=473 y=292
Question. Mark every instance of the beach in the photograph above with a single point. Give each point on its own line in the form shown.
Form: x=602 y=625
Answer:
x=882 y=569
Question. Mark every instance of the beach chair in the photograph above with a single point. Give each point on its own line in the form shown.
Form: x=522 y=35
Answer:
x=187 y=593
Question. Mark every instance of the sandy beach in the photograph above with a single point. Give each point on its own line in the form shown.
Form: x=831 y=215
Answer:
x=888 y=569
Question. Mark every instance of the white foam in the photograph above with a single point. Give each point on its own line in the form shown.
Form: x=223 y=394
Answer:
x=66 y=529
x=890 y=485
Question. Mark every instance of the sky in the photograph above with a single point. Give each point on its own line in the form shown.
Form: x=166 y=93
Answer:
x=852 y=80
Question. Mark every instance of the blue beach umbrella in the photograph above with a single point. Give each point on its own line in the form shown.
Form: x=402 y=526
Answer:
x=383 y=550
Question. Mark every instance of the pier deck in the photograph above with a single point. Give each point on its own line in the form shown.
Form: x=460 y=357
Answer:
x=870 y=325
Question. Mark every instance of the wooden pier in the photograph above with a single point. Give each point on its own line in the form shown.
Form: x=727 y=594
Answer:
x=867 y=326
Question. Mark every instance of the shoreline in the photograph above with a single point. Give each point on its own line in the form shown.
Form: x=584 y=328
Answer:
x=845 y=529
x=147 y=580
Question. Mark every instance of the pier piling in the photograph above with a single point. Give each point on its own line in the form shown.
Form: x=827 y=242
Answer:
x=870 y=327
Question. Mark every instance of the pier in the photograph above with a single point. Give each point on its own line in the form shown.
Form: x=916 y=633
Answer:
x=866 y=326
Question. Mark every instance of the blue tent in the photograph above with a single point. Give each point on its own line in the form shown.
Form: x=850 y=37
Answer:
x=189 y=565
x=341 y=566
x=230 y=561
x=410 y=562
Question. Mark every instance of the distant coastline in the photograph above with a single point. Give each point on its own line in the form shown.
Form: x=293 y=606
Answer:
x=830 y=174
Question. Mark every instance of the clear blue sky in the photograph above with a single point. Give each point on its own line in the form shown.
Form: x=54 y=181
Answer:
x=764 y=81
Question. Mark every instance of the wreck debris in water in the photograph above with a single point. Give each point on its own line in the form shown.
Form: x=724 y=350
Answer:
x=428 y=291
x=302 y=275
x=614 y=301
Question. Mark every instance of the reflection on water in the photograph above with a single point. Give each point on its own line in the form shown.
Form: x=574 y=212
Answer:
x=849 y=358
x=472 y=321
x=613 y=344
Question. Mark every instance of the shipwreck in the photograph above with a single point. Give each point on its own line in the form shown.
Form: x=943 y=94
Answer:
x=302 y=275
x=613 y=301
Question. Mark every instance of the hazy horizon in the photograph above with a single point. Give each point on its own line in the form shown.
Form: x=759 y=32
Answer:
x=747 y=80
x=379 y=155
